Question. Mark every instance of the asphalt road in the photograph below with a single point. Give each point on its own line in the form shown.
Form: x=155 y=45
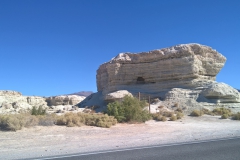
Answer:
x=228 y=149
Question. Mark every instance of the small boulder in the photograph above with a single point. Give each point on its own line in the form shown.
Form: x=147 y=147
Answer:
x=114 y=96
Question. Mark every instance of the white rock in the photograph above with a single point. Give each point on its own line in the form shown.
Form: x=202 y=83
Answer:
x=221 y=92
x=159 y=70
x=117 y=95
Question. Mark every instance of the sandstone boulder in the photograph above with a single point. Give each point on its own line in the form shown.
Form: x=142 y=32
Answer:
x=159 y=70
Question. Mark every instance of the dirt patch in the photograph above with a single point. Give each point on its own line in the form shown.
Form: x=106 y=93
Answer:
x=57 y=140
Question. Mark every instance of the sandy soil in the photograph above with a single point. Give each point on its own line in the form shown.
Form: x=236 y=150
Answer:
x=56 y=140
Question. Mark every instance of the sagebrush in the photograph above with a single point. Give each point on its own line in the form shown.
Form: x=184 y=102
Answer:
x=79 y=119
x=14 y=122
x=196 y=113
x=130 y=109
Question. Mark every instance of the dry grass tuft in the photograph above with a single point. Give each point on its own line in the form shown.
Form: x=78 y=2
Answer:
x=225 y=116
x=179 y=115
x=236 y=116
x=162 y=116
x=222 y=111
x=173 y=118
x=196 y=113
x=14 y=122
x=79 y=119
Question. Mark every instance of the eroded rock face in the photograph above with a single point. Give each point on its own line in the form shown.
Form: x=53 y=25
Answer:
x=159 y=70
x=12 y=101
x=184 y=74
x=64 y=100
x=221 y=92
x=15 y=102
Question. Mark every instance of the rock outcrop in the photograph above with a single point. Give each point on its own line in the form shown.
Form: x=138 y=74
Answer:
x=159 y=70
x=184 y=73
x=64 y=100
x=15 y=102
x=12 y=101
x=82 y=93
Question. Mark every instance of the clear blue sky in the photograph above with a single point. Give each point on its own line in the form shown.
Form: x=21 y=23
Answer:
x=52 y=47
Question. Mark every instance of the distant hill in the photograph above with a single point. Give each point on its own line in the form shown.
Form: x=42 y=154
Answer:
x=82 y=93
x=238 y=90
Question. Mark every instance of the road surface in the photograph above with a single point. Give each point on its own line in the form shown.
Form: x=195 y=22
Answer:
x=224 y=149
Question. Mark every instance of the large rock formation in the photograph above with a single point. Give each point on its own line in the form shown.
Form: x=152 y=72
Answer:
x=184 y=73
x=159 y=70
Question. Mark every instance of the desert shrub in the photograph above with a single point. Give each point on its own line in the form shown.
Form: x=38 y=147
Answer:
x=79 y=119
x=207 y=111
x=14 y=122
x=163 y=118
x=179 y=115
x=130 y=109
x=46 y=120
x=179 y=110
x=159 y=117
x=70 y=120
x=221 y=111
x=38 y=111
x=173 y=118
x=196 y=113
x=236 y=116
x=224 y=116
x=166 y=113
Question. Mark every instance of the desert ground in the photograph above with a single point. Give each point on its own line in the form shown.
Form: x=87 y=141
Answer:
x=60 y=140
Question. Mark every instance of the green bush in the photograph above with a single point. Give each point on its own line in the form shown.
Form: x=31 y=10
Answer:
x=196 y=113
x=129 y=110
x=38 y=111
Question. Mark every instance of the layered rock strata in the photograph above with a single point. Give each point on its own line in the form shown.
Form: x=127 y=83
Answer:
x=183 y=73
x=159 y=70
x=64 y=100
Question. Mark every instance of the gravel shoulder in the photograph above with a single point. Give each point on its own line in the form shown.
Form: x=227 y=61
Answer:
x=58 y=140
